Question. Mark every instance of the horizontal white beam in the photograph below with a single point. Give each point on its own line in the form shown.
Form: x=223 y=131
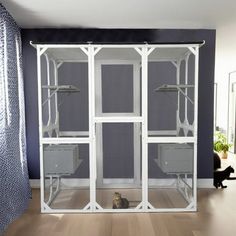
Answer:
x=162 y=132
x=172 y=210
x=117 y=45
x=171 y=139
x=65 y=140
x=122 y=119
x=73 y=133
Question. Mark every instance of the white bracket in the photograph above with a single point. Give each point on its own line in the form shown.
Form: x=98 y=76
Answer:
x=85 y=50
x=87 y=207
x=150 y=51
x=97 y=50
x=150 y=206
x=46 y=207
x=59 y=64
x=139 y=50
x=190 y=206
x=193 y=50
x=175 y=63
x=140 y=206
x=43 y=50
x=98 y=207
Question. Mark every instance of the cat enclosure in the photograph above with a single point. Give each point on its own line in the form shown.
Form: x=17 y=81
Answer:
x=118 y=118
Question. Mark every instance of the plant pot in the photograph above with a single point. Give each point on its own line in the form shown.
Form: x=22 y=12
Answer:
x=223 y=155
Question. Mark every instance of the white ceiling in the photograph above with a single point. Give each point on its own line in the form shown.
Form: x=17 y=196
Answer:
x=208 y=14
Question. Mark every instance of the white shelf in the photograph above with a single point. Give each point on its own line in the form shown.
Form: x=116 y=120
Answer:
x=175 y=88
x=172 y=87
x=62 y=88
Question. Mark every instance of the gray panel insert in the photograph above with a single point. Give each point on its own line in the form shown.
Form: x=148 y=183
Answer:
x=61 y=159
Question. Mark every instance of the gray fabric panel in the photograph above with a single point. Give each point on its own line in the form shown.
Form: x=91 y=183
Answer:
x=118 y=154
x=74 y=109
x=182 y=99
x=161 y=105
x=117 y=88
x=52 y=81
x=83 y=170
x=44 y=91
x=117 y=96
x=191 y=75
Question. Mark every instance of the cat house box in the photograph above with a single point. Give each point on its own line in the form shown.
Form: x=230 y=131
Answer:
x=61 y=159
x=175 y=158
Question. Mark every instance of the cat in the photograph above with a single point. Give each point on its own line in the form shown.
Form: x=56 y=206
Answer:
x=119 y=202
x=220 y=176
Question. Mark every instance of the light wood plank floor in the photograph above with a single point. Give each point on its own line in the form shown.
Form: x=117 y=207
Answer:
x=216 y=216
x=78 y=199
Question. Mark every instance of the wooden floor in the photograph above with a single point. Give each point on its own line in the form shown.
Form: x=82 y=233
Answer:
x=159 y=198
x=216 y=216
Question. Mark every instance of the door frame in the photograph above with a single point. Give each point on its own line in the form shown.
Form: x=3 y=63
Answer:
x=231 y=127
x=118 y=182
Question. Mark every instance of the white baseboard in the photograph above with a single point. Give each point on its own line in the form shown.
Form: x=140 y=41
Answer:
x=201 y=183
x=34 y=183
x=205 y=183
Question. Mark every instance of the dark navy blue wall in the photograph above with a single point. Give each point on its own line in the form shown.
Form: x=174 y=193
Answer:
x=206 y=78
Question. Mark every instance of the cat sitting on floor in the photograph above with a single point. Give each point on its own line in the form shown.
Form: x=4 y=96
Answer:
x=220 y=176
x=119 y=202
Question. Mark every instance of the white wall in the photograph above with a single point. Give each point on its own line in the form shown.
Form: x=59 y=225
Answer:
x=225 y=63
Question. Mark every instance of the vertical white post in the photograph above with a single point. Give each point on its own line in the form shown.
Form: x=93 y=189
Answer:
x=144 y=128
x=195 y=126
x=40 y=129
x=92 y=146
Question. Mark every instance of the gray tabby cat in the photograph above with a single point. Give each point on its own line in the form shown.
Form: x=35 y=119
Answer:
x=119 y=202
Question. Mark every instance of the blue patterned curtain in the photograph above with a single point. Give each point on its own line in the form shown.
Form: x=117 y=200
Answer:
x=14 y=180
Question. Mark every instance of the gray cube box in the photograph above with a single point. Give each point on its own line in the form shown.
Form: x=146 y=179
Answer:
x=61 y=159
x=175 y=158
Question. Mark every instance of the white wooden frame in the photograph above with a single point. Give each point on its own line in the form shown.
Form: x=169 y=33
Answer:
x=90 y=50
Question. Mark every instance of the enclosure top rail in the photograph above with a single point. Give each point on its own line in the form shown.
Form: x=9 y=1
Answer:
x=120 y=44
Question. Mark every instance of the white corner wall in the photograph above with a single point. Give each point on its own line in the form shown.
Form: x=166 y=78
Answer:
x=225 y=63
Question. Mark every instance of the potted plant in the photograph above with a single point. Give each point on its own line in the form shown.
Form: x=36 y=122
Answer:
x=220 y=145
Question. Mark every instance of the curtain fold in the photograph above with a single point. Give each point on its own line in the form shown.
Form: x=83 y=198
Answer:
x=14 y=180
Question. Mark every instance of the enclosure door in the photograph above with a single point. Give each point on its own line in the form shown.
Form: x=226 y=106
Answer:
x=117 y=144
x=232 y=111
